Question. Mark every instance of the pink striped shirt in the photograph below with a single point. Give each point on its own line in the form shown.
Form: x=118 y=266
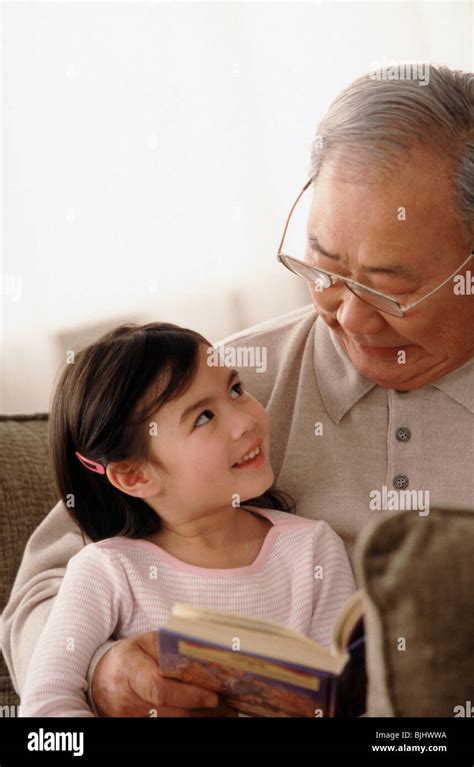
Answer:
x=122 y=586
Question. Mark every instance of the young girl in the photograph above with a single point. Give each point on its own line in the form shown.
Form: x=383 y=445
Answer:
x=155 y=453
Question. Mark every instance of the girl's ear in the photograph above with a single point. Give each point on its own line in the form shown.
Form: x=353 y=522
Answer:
x=133 y=479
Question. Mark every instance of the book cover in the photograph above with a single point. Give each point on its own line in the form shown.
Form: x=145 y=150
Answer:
x=217 y=651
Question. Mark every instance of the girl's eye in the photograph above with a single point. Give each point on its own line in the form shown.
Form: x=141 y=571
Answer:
x=209 y=415
x=205 y=414
x=240 y=389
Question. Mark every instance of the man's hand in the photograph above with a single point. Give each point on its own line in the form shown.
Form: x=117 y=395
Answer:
x=127 y=682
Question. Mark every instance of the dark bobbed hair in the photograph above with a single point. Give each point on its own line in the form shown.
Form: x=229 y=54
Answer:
x=101 y=408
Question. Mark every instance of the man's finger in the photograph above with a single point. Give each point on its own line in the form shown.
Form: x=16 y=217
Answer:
x=148 y=642
x=147 y=683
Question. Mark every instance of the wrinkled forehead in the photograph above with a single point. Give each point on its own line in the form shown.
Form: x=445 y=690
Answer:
x=408 y=210
x=416 y=178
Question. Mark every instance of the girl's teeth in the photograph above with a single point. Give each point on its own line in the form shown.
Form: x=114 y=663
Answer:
x=249 y=456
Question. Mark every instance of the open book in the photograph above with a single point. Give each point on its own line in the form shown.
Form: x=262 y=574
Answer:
x=262 y=668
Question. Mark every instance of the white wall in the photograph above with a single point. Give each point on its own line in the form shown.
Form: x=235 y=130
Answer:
x=150 y=152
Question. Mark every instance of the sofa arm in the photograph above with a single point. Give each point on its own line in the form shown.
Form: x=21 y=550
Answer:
x=418 y=579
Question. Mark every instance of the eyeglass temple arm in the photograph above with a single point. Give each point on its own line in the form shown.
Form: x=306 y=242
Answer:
x=410 y=306
x=308 y=183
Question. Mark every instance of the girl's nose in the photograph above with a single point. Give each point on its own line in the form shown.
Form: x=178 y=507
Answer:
x=357 y=317
x=241 y=424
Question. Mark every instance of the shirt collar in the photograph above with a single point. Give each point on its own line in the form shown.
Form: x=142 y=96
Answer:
x=339 y=383
x=459 y=385
x=341 y=386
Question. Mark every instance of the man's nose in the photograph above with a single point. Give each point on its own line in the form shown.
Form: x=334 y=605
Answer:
x=357 y=317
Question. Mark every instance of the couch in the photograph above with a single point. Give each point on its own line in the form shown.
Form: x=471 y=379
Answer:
x=417 y=574
x=26 y=495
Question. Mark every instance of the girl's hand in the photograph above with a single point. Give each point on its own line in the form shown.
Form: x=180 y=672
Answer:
x=127 y=682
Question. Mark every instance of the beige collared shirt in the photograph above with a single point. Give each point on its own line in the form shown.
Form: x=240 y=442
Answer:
x=345 y=448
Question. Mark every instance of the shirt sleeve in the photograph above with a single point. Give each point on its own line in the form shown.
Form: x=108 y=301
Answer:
x=91 y=601
x=333 y=582
x=37 y=582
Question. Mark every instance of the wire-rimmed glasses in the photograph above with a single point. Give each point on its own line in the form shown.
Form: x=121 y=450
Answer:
x=321 y=279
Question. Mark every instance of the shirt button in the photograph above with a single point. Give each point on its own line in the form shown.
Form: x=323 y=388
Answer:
x=400 y=481
x=403 y=434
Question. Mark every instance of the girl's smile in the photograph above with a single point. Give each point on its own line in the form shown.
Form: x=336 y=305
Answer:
x=254 y=457
x=209 y=455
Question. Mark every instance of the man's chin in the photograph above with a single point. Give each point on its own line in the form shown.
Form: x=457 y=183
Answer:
x=390 y=374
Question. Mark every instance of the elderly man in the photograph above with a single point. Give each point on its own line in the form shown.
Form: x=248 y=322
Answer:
x=371 y=396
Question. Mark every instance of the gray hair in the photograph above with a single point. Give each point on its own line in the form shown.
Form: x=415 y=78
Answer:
x=382 y=119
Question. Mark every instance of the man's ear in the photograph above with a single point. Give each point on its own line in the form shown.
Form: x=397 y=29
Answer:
x=134 y=479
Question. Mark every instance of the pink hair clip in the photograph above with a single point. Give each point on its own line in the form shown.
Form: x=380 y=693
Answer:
x=92 y=465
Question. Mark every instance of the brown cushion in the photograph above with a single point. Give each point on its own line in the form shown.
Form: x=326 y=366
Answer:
x=26 y=496
x=418 y=576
